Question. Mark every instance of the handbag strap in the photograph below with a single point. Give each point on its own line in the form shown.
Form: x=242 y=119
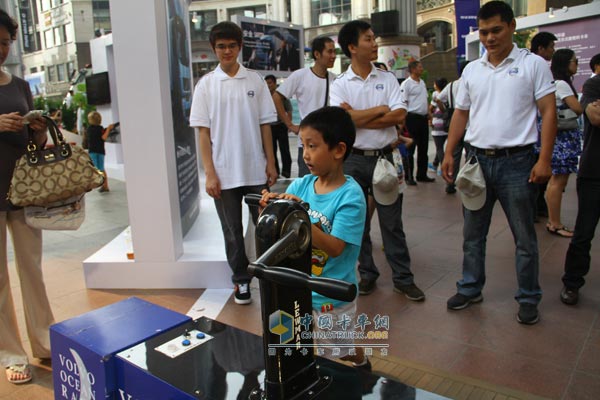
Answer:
x=326 y=89
x=57 y=138
x=55 y=133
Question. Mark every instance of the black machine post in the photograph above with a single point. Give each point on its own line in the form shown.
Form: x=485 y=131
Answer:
x=283 y=247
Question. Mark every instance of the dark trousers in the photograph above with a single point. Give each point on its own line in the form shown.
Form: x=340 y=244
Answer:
x=279 y=133
x=229 y=210
x=361 y=168
x=577 y=262
x=302 y=168
x=419 y=131
x=439 y=149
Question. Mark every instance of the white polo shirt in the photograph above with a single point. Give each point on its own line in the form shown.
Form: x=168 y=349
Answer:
x=309 y=89
x=502 y=99
x=379 y=89
x=233 y=109
x=415 y=95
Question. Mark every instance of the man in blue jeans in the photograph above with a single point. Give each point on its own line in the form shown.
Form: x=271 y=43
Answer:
x=577 y=263
x=499 y=95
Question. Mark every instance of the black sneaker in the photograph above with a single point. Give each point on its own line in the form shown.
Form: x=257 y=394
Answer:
x=366 y=286
x=412 y=292
x=528 y=314
x=242 y=294
x=460 y=301
x=451 y=188
x=411 y=182
x=569 y=296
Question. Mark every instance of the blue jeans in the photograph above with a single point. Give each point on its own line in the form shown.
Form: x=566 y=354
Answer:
x=361 y=168
x=506 y=181
x=577 y=262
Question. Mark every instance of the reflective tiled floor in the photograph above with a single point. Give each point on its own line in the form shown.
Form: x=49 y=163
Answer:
x=558 y=358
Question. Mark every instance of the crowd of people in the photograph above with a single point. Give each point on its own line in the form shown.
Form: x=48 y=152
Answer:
x=502 y=111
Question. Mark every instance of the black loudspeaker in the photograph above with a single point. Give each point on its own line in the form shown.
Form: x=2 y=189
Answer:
x=385 y=23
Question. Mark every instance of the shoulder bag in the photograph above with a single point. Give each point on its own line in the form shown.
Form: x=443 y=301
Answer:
x=47 y=175
x=65 y=215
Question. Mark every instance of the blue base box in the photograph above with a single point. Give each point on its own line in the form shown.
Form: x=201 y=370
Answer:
x=83 y=348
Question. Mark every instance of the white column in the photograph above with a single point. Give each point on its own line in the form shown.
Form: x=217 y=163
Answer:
x=306 y=15
x=360 y=9
x=407 y=14
x=278 y=10
x=143 y=90
x=297 y=12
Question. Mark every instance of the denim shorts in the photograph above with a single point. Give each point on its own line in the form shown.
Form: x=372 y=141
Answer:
x=98 y=160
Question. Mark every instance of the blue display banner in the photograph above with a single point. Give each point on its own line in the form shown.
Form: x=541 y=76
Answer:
x=466 y=17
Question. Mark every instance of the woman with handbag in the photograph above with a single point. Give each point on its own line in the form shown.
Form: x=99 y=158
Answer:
x=15 y=102
x=567 y=147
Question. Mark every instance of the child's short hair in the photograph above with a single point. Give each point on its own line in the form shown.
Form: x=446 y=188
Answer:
x=350 y=33
x=225 y=30
x=94 y=118
x=335 y=124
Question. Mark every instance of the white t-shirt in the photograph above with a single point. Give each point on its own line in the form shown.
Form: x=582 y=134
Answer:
x=415 y=95
x=444 y=95
x=308 y=88
x=502 y=99
x=380 y=88
x=233 y=108
x=436 y=120
x=562 y=90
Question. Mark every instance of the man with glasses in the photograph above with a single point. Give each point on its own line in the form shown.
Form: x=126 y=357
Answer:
x=232 y=111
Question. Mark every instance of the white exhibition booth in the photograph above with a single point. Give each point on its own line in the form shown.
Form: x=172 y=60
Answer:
x=137 y=59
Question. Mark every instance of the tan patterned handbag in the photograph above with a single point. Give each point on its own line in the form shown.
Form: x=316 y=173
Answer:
x=47 y=175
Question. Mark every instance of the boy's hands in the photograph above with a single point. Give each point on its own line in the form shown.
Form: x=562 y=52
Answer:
x=266 y=196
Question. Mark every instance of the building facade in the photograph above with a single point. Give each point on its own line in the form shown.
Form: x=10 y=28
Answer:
x=55 y=36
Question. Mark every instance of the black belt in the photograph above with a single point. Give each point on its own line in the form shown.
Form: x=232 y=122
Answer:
x=373 y=153
x=505 y=152
x=415 y=115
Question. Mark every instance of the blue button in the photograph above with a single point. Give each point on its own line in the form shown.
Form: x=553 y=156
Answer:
x=186 y=342
x=200 y=335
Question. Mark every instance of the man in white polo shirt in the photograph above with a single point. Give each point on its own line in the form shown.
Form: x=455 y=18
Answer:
x=310 y=86
x=414 y=91
x=373 y=99
x=232 y=110
x=499 y=95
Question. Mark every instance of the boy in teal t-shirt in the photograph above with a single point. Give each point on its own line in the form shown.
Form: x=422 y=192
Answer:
x=337 y=212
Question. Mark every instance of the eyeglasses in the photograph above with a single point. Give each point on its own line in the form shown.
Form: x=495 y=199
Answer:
x=223 y=47
x=576 y=61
